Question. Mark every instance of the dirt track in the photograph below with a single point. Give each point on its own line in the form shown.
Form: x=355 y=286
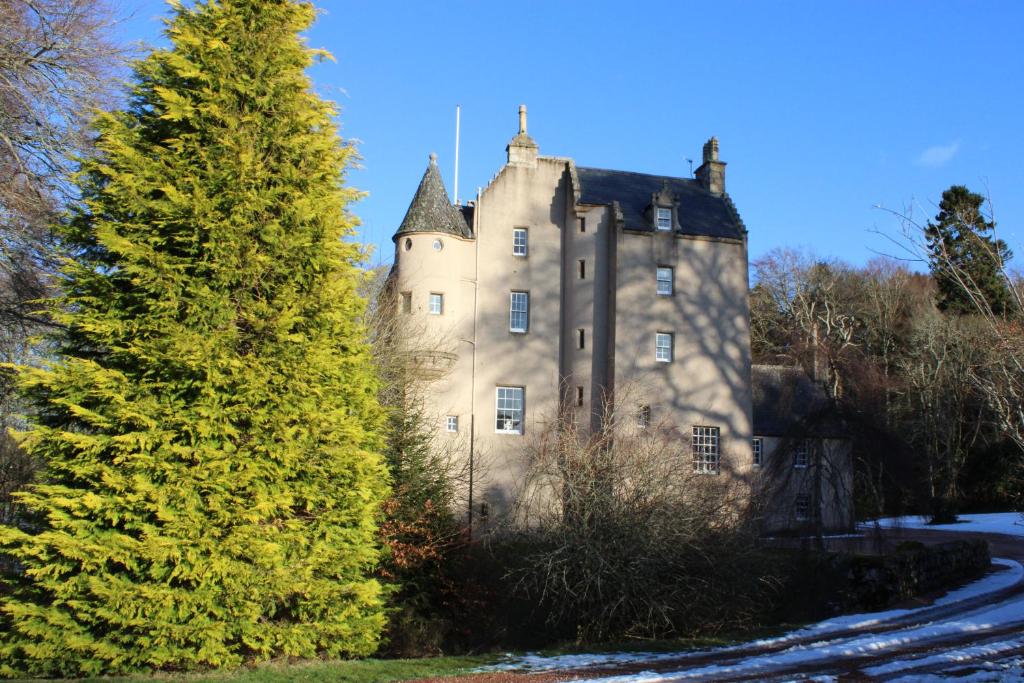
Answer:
x=765 y=662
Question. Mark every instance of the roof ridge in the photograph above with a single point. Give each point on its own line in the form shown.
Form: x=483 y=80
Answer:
x=649 y=175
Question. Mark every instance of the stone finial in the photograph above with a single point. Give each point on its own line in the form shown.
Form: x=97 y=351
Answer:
x=433 y=158
x=522 y=151
x=522 y=119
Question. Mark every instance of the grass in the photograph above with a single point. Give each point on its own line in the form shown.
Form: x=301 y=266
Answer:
x=354 y=671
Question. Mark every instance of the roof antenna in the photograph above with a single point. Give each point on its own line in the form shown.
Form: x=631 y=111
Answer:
x=690 y=161
x=458 y=111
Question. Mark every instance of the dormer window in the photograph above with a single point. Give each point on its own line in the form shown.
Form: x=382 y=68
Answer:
x=664 y=218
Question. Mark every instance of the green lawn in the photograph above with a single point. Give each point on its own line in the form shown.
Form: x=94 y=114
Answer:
x=360 y=671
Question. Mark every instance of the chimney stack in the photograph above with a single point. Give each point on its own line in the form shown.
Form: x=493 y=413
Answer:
x=522 y=151
x=711 y=173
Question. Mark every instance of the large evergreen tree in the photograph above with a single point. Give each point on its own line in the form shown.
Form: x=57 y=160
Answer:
x=210 y=430
x=966 y=258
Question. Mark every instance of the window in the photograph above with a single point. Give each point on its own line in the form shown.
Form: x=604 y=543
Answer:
x=408 y=244
x=583 y=269
x=664 y=219
x=452 y=423
x=519 y=242
x=519 y=312
x=406 y=302
x=581 y=338
x=438 y=245
x=664 y=281
x=663 y=347
x=583 y=225
x=579 y=396
x=705 y=450
x=802 y=454
x=436 y=304
x=802 y=507
x=643 y=417
x=758 y=444
x=509 y=410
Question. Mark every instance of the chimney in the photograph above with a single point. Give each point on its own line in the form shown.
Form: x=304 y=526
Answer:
x=522 y=151
x=711 y=173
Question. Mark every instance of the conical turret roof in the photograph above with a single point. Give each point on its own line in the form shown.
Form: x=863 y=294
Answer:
x=431 y=210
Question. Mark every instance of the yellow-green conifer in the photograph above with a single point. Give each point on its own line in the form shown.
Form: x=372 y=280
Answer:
x=210 y=426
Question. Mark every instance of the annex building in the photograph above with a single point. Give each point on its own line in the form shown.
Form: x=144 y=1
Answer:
x=561 y=287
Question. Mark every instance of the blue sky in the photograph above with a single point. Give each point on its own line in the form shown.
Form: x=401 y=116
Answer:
x=823 y=109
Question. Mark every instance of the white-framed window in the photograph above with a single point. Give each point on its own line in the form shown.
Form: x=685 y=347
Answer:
x=508 y=411
x=435 y=305
x=519 y=312
x=802 y=453
x=664 y=218
x=705 y=450
x=758 y=444
x=406 y=302
x=452 y=423
x=643 y=417
x=664 y=275
x=802 y=507
x=663 y=347
x=520 y=244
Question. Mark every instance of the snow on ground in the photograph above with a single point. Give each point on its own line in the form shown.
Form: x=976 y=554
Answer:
x=1011 y=523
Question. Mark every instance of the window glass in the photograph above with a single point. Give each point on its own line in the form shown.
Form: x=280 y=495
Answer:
x=705 y=450
x=509 y=410
x=519 y=312
x=663 y=347
x=436 y=304
x=643 y=417
x=519 y=242
x=758 y=451
x=802 y=454
x=664 y=281
x=452 y=423
x=664 y=219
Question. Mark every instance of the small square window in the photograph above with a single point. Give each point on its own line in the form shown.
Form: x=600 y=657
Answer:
x=436 y=304
x=643 y=417
x=664 y=219
x=663 y=347
x=705 y=450
x=758 y=445
x=664 y=276
x=509 y=410
x=519 y=241
x=802 y=507
x=452 y=423
x=406 y=302
x=802 y=454
x=519 y=312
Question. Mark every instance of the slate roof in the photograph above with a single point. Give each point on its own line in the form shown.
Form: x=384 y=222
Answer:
x=787 y=402
x=700 y=212
x=431 y=210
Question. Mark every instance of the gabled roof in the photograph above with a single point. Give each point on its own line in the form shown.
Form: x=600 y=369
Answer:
x=787 y=402
x=431 y=210
x=700 y=212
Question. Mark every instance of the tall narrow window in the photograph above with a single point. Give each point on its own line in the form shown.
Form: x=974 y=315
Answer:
x=802 y=454
x=664 y=281
x=663 y=347
x=579 y=396
x=582 y=269
x=519 y=312
x=705 y=450
x=758 y=444
x=436 y=303
x=509 y=410
x=643 y=417
x=406 y=302
x=583 y=225
x=802 y=507
x=664 y=219
x=519 y=241
x=581 y=338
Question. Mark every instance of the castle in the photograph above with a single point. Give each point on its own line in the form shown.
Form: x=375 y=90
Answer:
x=560 y=286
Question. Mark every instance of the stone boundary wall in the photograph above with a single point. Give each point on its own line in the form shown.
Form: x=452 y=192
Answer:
x=913 y=570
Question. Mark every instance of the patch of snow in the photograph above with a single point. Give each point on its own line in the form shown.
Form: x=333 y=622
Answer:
x=955 y=656
x=1010 y=523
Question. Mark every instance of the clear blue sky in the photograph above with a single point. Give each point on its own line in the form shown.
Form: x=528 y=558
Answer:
x=823 y=109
